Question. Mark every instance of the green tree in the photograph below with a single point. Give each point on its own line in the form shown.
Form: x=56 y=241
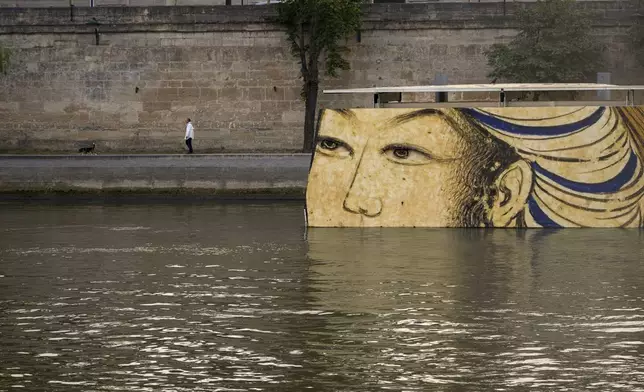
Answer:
x=315 y=31
x=554 y=45
x=5 y=56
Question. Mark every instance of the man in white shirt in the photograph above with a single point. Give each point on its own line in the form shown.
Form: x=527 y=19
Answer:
x=190 y=134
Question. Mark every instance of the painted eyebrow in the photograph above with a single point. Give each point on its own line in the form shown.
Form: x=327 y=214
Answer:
x=350 y=115
x=346 y=113
x=403 y=118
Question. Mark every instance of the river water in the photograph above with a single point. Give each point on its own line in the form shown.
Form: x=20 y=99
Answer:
x=240 y=297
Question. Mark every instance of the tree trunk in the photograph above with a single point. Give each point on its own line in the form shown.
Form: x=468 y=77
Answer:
x=310 y=103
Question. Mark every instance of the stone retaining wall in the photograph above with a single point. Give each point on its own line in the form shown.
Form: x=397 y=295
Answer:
x=230 y=70
x=204 y=174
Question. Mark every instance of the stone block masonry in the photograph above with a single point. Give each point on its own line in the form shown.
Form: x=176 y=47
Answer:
x=229 y=69
x=120 y=3
x=220 y=174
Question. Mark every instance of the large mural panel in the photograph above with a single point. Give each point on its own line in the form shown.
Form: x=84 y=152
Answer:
x=478 y=167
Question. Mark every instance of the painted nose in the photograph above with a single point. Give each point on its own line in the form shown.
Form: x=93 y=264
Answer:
x=367 y=206
x=363 y=196
x=359 y=201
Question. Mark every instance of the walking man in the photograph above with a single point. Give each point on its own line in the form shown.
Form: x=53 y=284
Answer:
x=190 y=134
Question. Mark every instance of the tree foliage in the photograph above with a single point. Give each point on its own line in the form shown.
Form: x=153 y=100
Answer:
x=316 y=31
x=554 y=45
x=5 y=57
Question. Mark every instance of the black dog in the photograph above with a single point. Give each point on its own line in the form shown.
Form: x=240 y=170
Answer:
x=87 y=150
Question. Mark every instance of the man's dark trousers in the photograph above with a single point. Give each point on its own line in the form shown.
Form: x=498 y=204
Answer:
x=189 y=144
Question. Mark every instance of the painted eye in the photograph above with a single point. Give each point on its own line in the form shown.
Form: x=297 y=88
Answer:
x=329 y=144
x=401 y=153
x=406 y=155
x=333 y=147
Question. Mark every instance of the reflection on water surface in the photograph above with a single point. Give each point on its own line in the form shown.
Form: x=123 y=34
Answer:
x=240 y=297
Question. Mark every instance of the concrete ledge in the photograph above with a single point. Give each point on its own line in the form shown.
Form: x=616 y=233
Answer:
x=230 y=175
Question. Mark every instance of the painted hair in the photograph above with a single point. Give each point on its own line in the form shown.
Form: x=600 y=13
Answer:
x=488 y=156
x=586 y=161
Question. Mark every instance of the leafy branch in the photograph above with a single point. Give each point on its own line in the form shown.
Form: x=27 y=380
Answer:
x=316 y=30
x=554 y=45
x=5 y=58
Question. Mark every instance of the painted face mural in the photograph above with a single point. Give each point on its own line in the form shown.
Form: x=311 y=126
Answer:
x=500 y=167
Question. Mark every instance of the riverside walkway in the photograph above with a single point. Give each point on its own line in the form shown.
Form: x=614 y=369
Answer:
x=279 y=175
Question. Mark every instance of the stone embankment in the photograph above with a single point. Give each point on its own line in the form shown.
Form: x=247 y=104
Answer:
x=229 y=68
x=238 y=175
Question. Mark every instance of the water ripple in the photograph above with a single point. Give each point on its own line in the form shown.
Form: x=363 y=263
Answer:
x=197 y=303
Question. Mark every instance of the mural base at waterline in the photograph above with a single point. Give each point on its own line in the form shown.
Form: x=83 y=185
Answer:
x=474 y=167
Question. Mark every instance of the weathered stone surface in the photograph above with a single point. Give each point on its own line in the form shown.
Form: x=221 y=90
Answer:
x=229 y=69
x=185 y=173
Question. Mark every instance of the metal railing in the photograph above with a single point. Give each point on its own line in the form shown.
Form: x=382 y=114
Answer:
x=393 y=97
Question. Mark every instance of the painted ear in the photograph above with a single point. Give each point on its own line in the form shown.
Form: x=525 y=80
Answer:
x=513 y=188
